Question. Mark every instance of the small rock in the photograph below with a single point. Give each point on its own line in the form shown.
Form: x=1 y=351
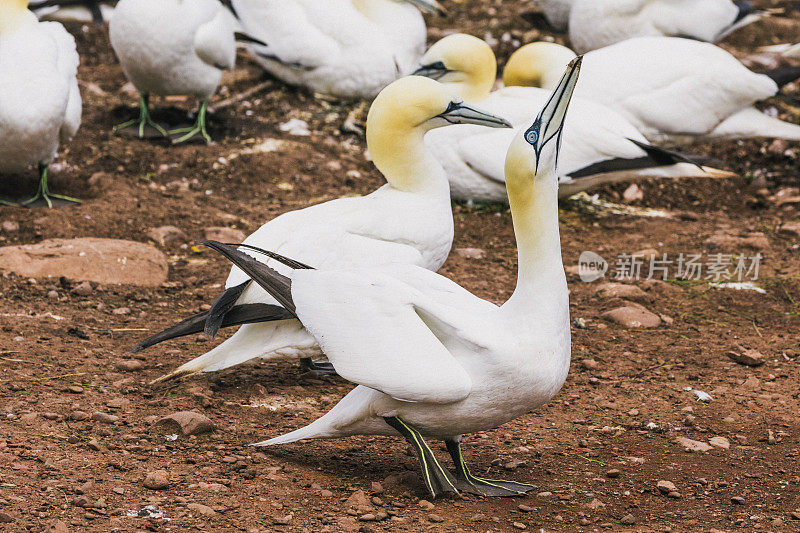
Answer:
x=128 y=365
x=10 y=226
x=621 y=290
x=470 y=253
x=738 y=500
x=358 y=501
x=675 y=495
x=795 y=515
x=633 y=194
x=589 y=363
x=720 y=442
x=78 y=415
x=167 y=235
x=480 y=517
x=519 y=525
x=83 y=289
x=104 y=418
x=53 y=295
x=122 y=311
x=157 y=480
x=376 y=488
x=665 y=487
x=198 y=507
x=187 y=423
x=223 y=234
x=790 y=229
x=693 y=445
x=525 y=508
x=633 y=316
x=614 y=473
x=627 y=520
x=745 y=356
x=58 y=527
x=94 y=445
x=435 y=518
x=425 y=504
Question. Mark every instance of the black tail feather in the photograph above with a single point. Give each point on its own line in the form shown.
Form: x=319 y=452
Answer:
x=784 y=75
x=222 y=305
x=275 y=283
x=240 y=314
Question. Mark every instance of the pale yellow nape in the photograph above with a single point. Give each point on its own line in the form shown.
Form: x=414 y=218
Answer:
x=472 y=61
x=520 y=171
x=537 y=65
x=396 y=127
x=11 y=12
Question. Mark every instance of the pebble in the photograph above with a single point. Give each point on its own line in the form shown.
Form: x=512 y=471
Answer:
x=435 y=518
x=665 y=487
x=589 y=363
x=224 y=234
x=78 y=415
x=614 y=473
x=376 y=488
x=187 y=423
x=519 y=525
x=720 y=442
x=104 y=418
x=470 y=253
x=525 y=508
x=633 y=316
x=738 y=500
x=480 y=517
x=157 y=480
x=10 y=226
x=58 y=527
x=795 y=515
x=128 y=365
x=204 y=510
x=425 y=504
x=621 y=290
x=53 y=295
x=358 y=501
x=83 y=289
x=747 y=357
x=167 y=235
x=633 y=194
x=122 y=311
x=369 y=517
x=74 y=389
x=693 y=445
x=627 y=520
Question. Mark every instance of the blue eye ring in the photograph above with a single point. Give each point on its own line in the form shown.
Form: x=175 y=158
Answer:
x=532 y=137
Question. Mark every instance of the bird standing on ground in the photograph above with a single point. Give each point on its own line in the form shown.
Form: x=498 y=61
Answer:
x=40 y=104
x=342 y=48
x=594 y=24
x=600 y=145
x=430 y=359
x=173 y=47
x=669 y=88
x=408 y=221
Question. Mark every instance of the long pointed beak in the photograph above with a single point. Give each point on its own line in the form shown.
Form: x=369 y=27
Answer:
x=551 y=119
x=429 y=6
x=434 y=71
x=461 y=113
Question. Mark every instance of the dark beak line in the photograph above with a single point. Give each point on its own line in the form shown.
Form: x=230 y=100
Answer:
x=453 y=112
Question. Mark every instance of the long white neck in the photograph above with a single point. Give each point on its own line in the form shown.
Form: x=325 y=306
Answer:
x=405 y=162
x=541 y=283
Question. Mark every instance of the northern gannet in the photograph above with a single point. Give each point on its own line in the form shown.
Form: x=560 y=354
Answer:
x=409 y=221
x=669 y=88
x=431 y=360
x=173 y=47
x=40 y=103
x=98 y=11
x=342 y=48
x=600 y=145
x=594 y=24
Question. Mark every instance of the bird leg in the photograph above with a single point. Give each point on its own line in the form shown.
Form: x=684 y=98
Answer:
x=199 y=128
x=466 y=482
x=437 y=480
x=322 y=368
x=137 y=127
x=44 y=193
x=94 y=7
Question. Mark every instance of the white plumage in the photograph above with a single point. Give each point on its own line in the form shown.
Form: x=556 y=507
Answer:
x=174 y=47
x=474 y=157
x=671 y=88
x=407 y=221
x=430 y=358
x=73 y=11
x=40 y=104
x=344 y=48
x=557 y=12
x=594 y=24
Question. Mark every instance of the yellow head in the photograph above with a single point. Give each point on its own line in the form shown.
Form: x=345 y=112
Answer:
x=464 y=63
x=11 y=13
x=401 y=115
x=537 y=65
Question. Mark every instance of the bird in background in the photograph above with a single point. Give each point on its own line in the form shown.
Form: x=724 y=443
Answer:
x=98 y=11
x=340 y=48
x=594 y=24
x=671 y=89
x=173 y=47
x=430 y=359
x=600 y=145
x=40 y=103
x=407 y=221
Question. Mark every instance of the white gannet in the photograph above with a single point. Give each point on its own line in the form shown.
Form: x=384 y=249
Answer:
x=557 y=12
x=431 y=359
x=594 y=24
x=669 y=88
x=98 y=11
x=342 y=48
x=173 y=47
x=409 y=220
x=600 y=145
x=40 y=103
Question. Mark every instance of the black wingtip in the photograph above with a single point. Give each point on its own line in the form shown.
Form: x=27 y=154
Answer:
x=784 y=75
x=746 y=8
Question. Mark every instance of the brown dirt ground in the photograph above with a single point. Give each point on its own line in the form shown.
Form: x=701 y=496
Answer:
x=624 y=414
